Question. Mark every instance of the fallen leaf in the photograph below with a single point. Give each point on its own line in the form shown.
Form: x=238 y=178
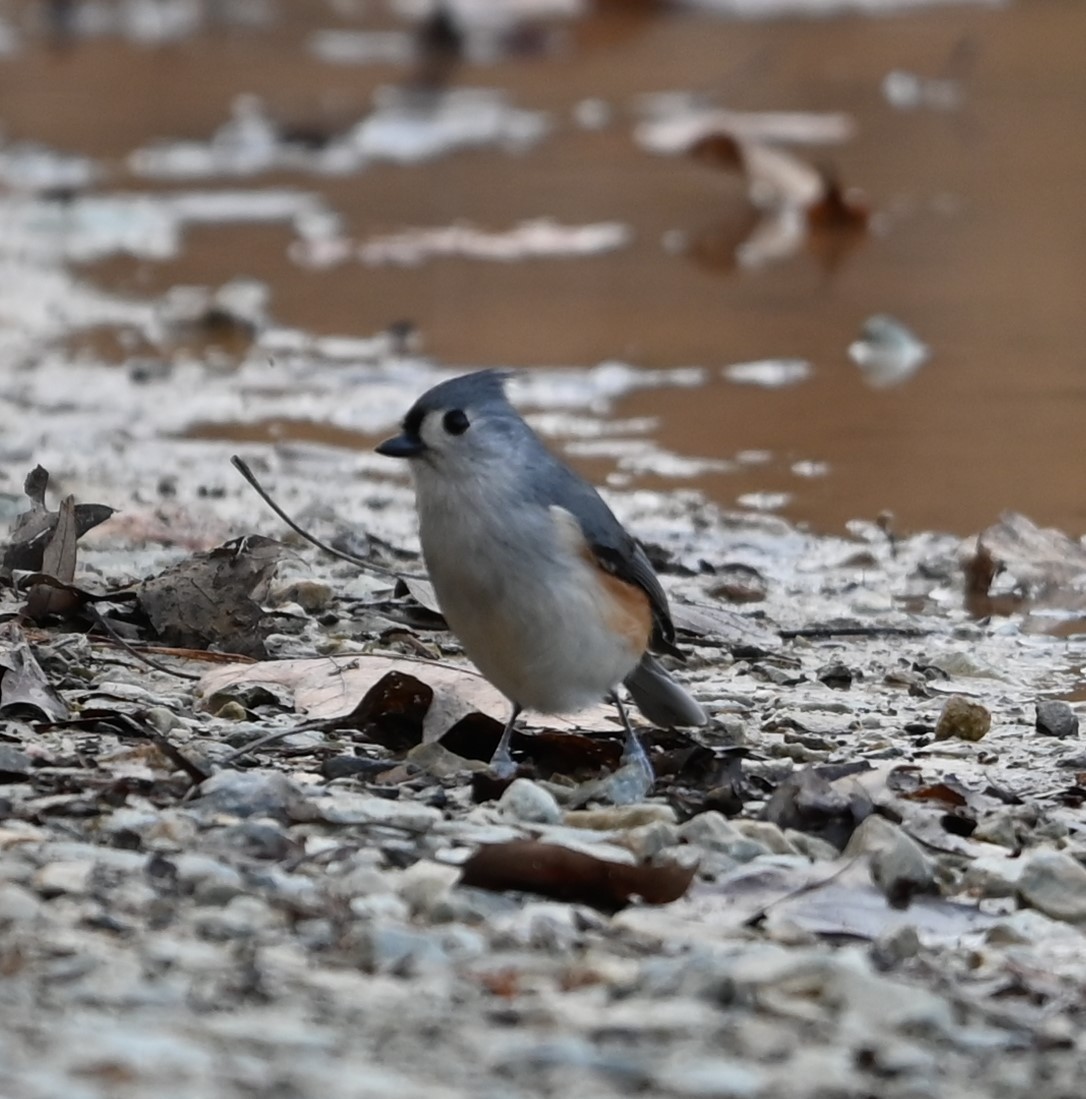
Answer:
x=333 y=687
x=23 y=682
x=568 y=875
x=214 y=598
x=58 y=561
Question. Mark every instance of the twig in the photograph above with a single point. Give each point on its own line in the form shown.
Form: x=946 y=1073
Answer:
x=242 y=467
x=143 y=658
x=854 y=631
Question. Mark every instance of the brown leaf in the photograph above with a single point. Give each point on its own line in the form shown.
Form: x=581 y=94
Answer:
x=23 y=682
x=332 y=687
x=568 y=875
x=58 y=561
x=214 y=598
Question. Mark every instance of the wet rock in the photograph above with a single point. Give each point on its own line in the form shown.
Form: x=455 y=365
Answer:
x=963 y=719
x=251 y=794
x=898 y=866
x=527 y=801
x=1056 y=719
x=1055 y=884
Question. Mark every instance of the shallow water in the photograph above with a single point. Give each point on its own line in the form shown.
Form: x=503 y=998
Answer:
x=976 y=239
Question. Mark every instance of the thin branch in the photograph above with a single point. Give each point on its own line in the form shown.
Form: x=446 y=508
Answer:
x=242 y=467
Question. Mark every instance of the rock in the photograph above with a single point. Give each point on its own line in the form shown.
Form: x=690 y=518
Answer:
x=767 y=834
x=18 y=905
x=992 y=876
x=619 y=817
x=527 y=801
x=963 y=719
x=1056 y=719
x=163 y=720
x=210 y=881
x=14 y=765
x=311 y=595
x=1055 y=884
x=251 y=794
x=648 y=840
x=709 y=1078
x=898 y=866
x=347 y=807
x=711 y=830
x=426 y=885
x=244 y=917
x=57 y=878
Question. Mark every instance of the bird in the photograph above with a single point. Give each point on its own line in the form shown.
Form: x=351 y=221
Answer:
x=552 y=599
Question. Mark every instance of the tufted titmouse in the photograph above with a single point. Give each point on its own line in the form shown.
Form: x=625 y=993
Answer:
x=552 y=599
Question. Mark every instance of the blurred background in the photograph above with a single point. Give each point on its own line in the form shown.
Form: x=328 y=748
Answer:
x=822 y=259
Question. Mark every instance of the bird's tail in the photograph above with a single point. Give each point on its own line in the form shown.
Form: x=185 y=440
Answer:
x=660 y=698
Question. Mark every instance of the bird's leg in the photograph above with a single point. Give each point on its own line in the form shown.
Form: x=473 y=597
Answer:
x=632 y=751
x=501 y=762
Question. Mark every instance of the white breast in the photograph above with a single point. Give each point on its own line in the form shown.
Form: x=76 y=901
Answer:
x=528 y=608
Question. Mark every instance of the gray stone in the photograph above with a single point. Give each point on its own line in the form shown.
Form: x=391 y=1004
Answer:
x=898 y=866
x=14 y=765
x=1055 y=884
x=56 y=878
x=1056 y=719
x=526 y=801
x=251 y=794
x=710 y=1078
x=347 y=807
x=18 y=905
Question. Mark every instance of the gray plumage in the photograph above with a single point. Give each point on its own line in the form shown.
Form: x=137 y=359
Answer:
x=501 y=519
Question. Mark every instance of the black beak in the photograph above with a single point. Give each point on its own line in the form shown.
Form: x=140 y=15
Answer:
x=402 y=446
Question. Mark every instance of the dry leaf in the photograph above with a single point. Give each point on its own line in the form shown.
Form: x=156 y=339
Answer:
x=567 y=875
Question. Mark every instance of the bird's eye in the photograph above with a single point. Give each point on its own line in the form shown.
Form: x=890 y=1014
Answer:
x=456 y=423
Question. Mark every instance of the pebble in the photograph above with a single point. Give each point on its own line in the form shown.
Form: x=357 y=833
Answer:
x=1056 y=719
x=527 y=801
x=18 y=905
x=1055 y=884
x=13 y=763
x=251 y=794
x=347 y=807
x=709 y=1078
x=898 y=865
x=56 y=878
x=767 y=834
x=620 y=817
x=963 y=719
x=426 y=885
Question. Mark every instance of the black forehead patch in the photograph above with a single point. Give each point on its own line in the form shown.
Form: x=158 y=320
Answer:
x=412 y=422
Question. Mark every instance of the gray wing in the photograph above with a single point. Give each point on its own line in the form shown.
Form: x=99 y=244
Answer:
x=615 y=549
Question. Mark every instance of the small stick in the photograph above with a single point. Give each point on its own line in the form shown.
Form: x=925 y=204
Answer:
x=242 y=467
